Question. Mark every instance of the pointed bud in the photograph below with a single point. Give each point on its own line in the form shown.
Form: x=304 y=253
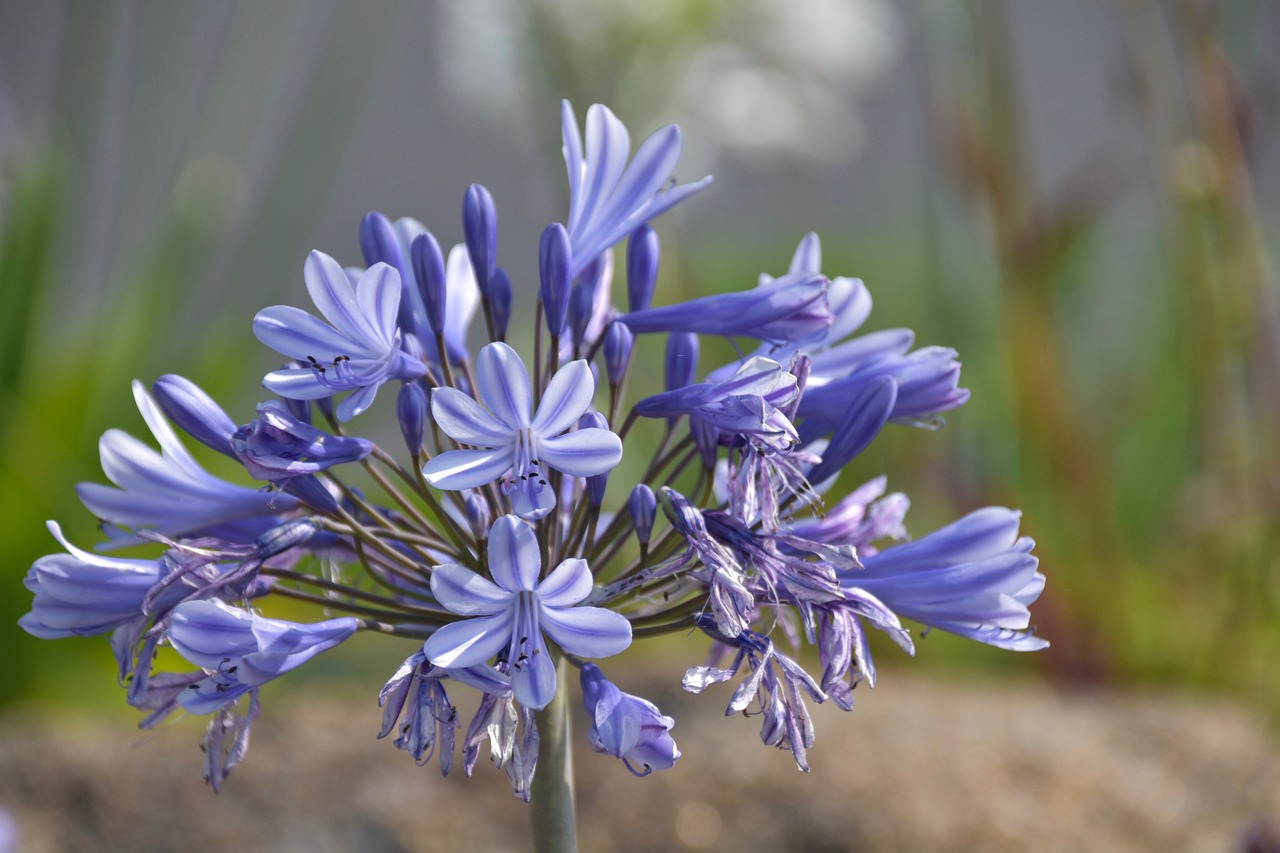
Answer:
x=500 y=301
x=642 y=268
x=581 y=305
x=378 y=241
x=553 y=267
x=411 y=410
x=618 y=342
x=643 y=507
x=478 y=517
x=682 y=359
x=597 y=483
x=195 y=412
x=480 y=230
x=428 y=269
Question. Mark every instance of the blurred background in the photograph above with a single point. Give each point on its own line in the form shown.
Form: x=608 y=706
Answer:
x=1082 y=198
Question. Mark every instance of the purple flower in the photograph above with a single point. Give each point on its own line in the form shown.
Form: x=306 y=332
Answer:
x=279 y=448
x=358 y=350
x=514 y=609
x=169 y=493
x=240 y=651
x=80 y=594
x=194 y=412
x=609 y=198
x=746 y=404
x=791 y=308
x=860 y=518
x=509 y=440
x=627 y=726
x=974 y=578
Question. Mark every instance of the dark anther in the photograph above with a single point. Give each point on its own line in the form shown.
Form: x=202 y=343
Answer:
x=338 y=359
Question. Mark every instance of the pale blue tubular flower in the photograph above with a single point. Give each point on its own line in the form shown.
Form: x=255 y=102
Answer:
x=512 y=612
x=791 y=308
x=169 y=493
x=81 y=594
x=357 y=350
x=627 y=726
x=609 y=198
x=974 y=578
x=509 y=440
x=240 y=651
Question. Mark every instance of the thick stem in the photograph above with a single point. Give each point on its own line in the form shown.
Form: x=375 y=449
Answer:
x=552 y=795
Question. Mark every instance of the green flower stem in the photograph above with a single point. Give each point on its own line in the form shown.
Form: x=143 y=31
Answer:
x=551 y=800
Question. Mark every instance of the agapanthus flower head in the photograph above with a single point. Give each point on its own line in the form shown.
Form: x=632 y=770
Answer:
x=508 y=537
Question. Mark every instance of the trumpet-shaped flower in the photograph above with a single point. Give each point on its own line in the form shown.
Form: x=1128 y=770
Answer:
x=508 y=439
x=974 y=578
x=609 y=198
x=82 y=594
x=512 y=612
x=168 y=492
x=357 y=350
x=240 y=650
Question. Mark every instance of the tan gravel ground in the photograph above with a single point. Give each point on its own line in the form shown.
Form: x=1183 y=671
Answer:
x=919 y=765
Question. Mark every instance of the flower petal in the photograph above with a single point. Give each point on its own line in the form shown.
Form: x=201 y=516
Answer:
x=504 y=384
x=567 y=398
x=569 y=583
x=592 y=632
x=466 y=469
x=514 y=559
x=463 y=591
x=469 y=642
x=378 y=295
x=465 y=420
x=583 y=453
x=333 y=294
x=297 y=334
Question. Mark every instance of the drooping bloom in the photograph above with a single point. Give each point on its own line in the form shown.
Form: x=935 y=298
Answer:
x=169 y=493
x=239 y=650
x=627 y=726
x=357 y=350
x=609 y=198
x=509 y=440
x=512 y=612
x=80 y=594
x=974 y=577
x=791 y=308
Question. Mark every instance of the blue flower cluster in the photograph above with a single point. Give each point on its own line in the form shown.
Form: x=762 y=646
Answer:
x=489 y=539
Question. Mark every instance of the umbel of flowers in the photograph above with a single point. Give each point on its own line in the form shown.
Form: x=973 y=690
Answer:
x=499 y=538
